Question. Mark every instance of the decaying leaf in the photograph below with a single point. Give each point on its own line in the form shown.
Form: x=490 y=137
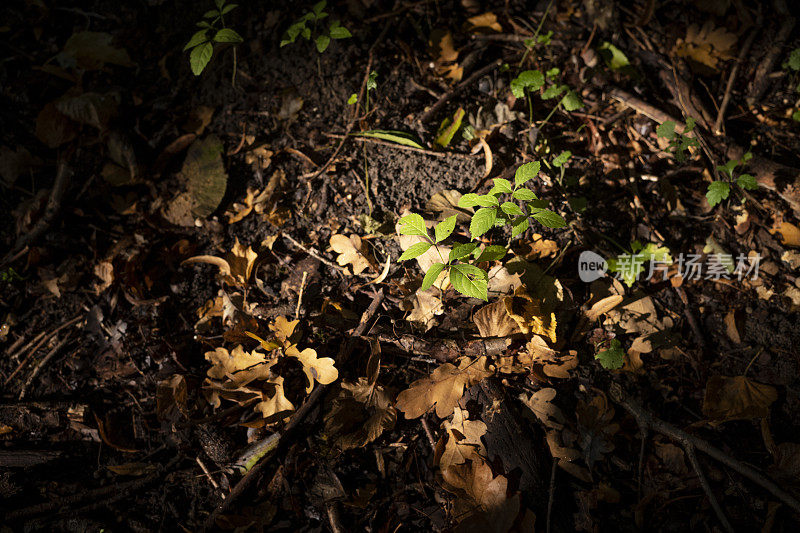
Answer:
x=274 y=403
x=553 y=364
x=463 y=440
x=540 y=403
x=707 y=45
x=484 y=505
x=445 y=55
x=235 y=268
x=502 y=281
x=259 y=157
x=485 y=22
x=443 y=388
x=91 y=50
x=789 y=234
x=425 y=306
x=493 y=321
x=537 y=248
x=238 y=366
x=737 y=398
x=446 y=203
x=352 y=251
x=596 y=428
x=527 y=312
x=16 y=162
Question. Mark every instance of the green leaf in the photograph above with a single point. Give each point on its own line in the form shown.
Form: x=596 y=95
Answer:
x=717 y=191
x=200 y=56
x=553 y=91
x=492 y=253
x=666 y=130
x=339 y=32
x=503 y=186
x=549 y=219
x=529 y=79
x=612 y=358
x=746 y=181
x=562 y=159
x=322 y=42
x=398 y=137
x=469 y=280
x=415 y=250
x=728 y=167
x=227 y=35
x=512 y=209
x=527 y=172
x=210 y=14
x=431 y=275
x=319 y=6
x=412 y=224
x=552 y=73
x=794 y=59
x=227 y=9
x=630 y=266
x=443 y=229
x=482 y=221
x=471 y=200
x=460 y=251
x=371 y=83
x=449 y=128
x=796 y=115
x=525 y=195
x=219 y=3
x=353 y=99
x=571 y=101
x=306 y=33
x=613 y=56
x=518 y=227
x=198 y=38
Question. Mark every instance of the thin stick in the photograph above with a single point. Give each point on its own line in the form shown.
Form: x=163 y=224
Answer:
x=37 y=343
x=313 y=253
x=373 y=140
x=458 y=88
x=41 y=364
x=300 y=295
x=656 y=424
x=731 y=79
x=707 y=487
x=551 y=496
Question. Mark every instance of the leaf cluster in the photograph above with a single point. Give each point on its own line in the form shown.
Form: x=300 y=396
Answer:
x=679 y=143
x=720 y=190
x=533 y=80
x=202 y=43
x=466 y=278
x=322 y=37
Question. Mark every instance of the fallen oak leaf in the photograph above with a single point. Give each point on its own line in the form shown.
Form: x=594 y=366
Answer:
x=352 y=251
x=235 y=268
x=463 y=440
x=442 y=389
x=275 y=405
x=737 y=398
x=320 y=369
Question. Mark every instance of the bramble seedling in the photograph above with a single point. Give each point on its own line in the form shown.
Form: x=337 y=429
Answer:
x=720 y=190
x=679 y=143
x=213 y=30
x=613 y=357
x=467 y=278
x=322 y=36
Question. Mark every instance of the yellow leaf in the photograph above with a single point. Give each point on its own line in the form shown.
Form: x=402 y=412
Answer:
x=316 y=369
x=238 y=366
x=351 y=252
x=463 y=440
x=707 y=45
x=528 y=314
x=493 y=321
x=276 y=404
x=235 y=268
x=486 y=21
x=443 y=388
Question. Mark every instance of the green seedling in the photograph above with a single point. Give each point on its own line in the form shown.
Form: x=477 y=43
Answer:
x=793 y=64
x=720 y=190
x=533 y=80
x=629 y=266
x=679 y=143
x=612 y=357
x=462 y=260
x=317 y=30
x=213 y=30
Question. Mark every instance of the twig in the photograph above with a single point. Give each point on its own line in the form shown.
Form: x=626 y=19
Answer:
x=761 y=77
x=731 y=79
x=300 y=295
x=300 y=414
x=50 y=211
x=458 y=88
x=646 y=419
x=37 y=343
x=707 y=487
x=428 y=433
x=313 y=253
x=373 y=140
x=211 y=479
x=551 y=496
x=41 y=364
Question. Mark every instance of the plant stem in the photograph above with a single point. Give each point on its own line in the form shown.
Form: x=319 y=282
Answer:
x=233 y=76
x=550 y=115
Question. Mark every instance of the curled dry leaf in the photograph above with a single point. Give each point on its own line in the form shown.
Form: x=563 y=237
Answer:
x=463 y=440
x=540 y=403
x=274 y=404
x=316 y=369
x=502 y=281
x=445 y=55
x=737 y=398
x=238 y=366
x=527 y=312
x=425 y=306
x=359 y=414
x=443 y=388
x=493 y=321
x=235 y=268
x=352 y=251
x=553 y=364
x=485 y=22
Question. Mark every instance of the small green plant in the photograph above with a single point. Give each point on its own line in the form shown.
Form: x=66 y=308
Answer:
x=629 y=265
x=322 y=36
x=793 y=64
x=465 y=276
x=720 y=190
x=10 y=275
x=613 y=357
x=213 y=30
x=533 y=80
x=679 y=143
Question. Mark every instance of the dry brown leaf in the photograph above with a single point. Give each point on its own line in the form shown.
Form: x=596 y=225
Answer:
x=737 y=398
x=730 y=327
x=789 y=234
x=463 y=440
x=446 y=203
x=502 y=281
x=238 y=366
x=527 y=313
x=259 y=157
x=359 y=414
x=707 y=45
x=425 y=306
x=595 y=427
x=603 y=306
x=537 y=248
x=235 y=268
x=443 y=388
x=493 y=321
x=540 y=403
x=445 y=55
x=486 y=22
x=319 y=369
x=485 y=506
x=553 y=364
x=275 y=404
x=352 y=251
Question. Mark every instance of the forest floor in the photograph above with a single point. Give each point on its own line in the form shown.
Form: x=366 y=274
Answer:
x=205 y=326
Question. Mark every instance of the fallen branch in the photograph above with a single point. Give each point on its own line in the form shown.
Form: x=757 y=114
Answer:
x=446 y=350
x=458 y=88
x=649 y=421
